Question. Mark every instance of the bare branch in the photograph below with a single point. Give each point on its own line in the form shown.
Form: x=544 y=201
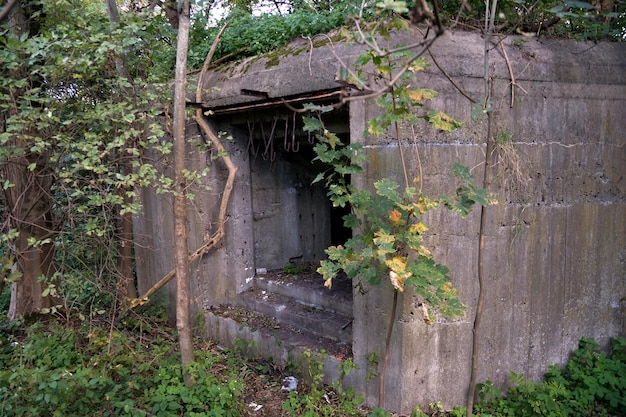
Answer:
x=443 y=71
x=7 y=8
x=232 y=170
x=513 y=82
x=207 y=62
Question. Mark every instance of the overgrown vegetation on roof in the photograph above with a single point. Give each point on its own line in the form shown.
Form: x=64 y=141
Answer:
x=249 y=35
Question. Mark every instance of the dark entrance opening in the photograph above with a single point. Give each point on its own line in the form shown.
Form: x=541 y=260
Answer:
x=293 y=219
x=339 y=234
x=293 y=222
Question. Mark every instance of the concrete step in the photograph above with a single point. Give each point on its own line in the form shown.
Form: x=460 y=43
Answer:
x=230 y=325
x=308 y=289
x=301 y=316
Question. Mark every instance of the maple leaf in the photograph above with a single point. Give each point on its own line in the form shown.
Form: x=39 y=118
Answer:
x=395 y=216
x=421 y=94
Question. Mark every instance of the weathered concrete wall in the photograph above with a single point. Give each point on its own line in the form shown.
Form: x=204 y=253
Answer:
x=223 y=272
x=556 y=243
x=555 y=251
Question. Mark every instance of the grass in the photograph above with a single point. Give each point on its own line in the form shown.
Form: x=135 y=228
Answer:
x=132 y=368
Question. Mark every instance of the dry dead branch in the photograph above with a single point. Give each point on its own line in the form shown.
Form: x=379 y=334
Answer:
x=228 y=187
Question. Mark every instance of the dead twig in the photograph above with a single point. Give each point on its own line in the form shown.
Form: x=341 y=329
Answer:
x=232 y=171
x=445 y=74
x=510 y=68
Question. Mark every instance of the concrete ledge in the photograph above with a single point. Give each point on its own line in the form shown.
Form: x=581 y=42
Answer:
x=283 y=345
x=291 y=312
x=337 y=299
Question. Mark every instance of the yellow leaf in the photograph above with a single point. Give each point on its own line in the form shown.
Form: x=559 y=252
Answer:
x=397 y=263
x=416 y=67
x=419 y=227
x=421 y=94
x=395 y=217
x=424 y=252
x=425 y=314
x=332 y=139
x=396 y=281
x=397 y=274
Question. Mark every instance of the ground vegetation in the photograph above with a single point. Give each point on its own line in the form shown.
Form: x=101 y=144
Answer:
x=49 y=367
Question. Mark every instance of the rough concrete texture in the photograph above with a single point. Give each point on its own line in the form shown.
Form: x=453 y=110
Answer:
x=556 y=241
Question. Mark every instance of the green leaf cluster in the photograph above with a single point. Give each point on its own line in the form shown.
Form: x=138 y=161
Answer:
x=388 y=237
x=395 y=66
x=60 y=371
x=71 y=118
x=593 y=383
x=580 y=20
x=250 y=35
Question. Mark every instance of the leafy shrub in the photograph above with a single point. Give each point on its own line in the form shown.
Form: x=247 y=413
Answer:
x=580 y=20
x=318 y=400
x=593 y=383
x=250 y=35
x=208 y=396
x=60 y=371
x=595 y=380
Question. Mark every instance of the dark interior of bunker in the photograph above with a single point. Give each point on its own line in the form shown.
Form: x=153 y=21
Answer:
x=293 y=222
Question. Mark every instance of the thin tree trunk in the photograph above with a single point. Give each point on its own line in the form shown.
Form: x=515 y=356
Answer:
x=228 y=187
x=181 y=255
x=6 y=9
x=481 y=272
x=28 y=204
x=383 y=371
x=126 y=278
x=126 y=283
x=490 y=11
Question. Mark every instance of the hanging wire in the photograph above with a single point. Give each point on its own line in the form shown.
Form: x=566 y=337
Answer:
x=293 y=136
x=250 y=147
x=290 y=138
x=269 y=152
x=286 y=144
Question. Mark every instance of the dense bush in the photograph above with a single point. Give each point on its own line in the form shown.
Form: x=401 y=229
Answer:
x=249 y=35
x=55 y=370
x=593 y=383
x=48 y=369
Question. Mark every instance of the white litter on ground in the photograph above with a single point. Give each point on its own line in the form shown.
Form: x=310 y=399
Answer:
x=290 y=383
x=255 y=406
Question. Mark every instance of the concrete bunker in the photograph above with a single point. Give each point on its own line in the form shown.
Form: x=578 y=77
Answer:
x=556 y=252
